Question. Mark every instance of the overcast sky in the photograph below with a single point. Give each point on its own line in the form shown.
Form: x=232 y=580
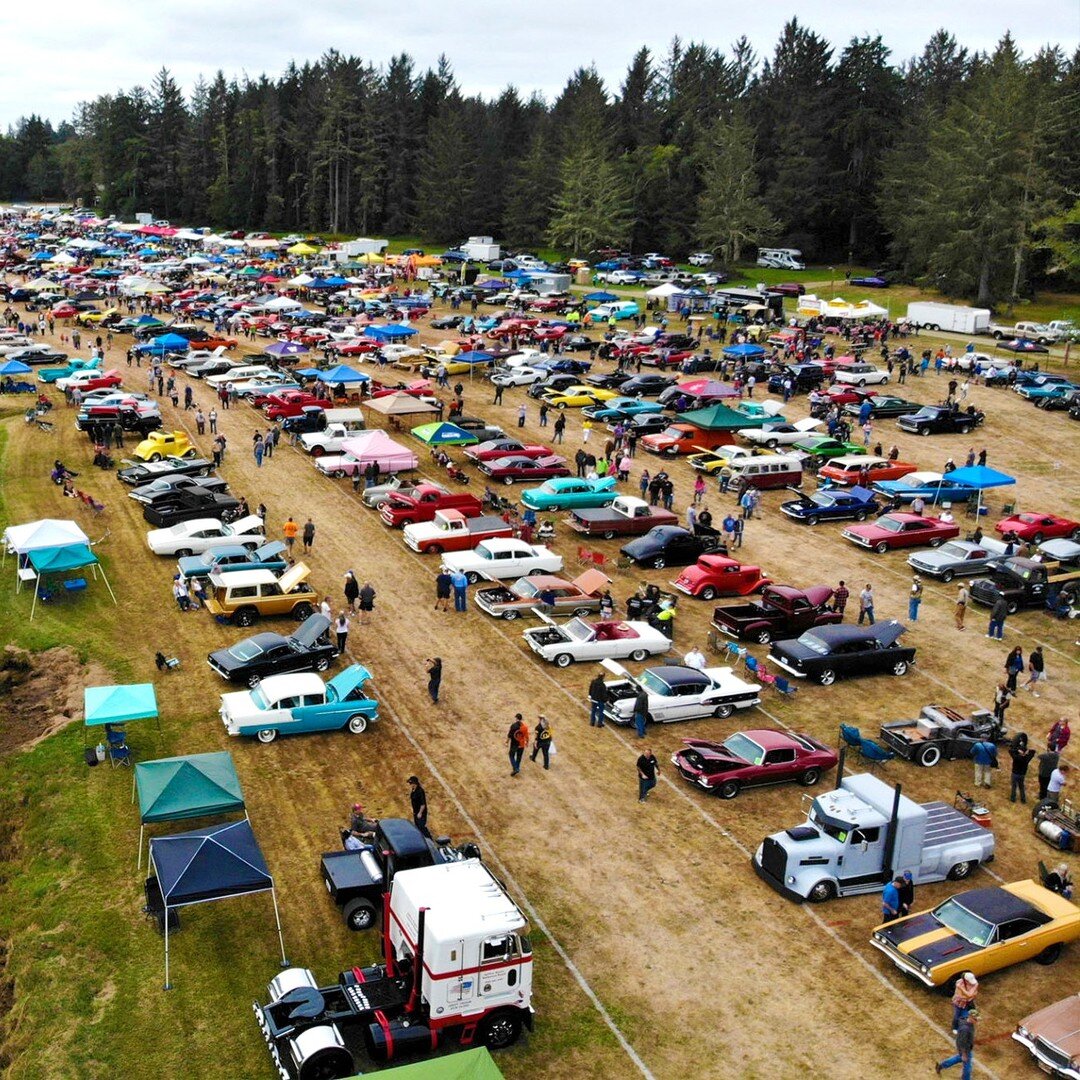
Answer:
x=65 y=52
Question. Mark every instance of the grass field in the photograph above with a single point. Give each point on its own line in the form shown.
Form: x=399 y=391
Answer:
x=700 y=968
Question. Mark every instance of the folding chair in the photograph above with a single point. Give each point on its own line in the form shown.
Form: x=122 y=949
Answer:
x=763 y=676
x=782 y=686
x=851 y=736
x=734 y=650
x=584 y=556
x=716 y=643
x=599 y=558
x=875 y=754
x=120 y=755
x=751 y=665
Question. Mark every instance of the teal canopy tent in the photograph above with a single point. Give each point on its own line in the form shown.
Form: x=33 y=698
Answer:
x=119 y=704
x=981 y=477
x=444 y=434
x=63 y=560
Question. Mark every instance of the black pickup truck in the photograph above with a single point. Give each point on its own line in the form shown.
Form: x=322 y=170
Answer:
x=941 y=732
x=1023 y=582
x=358 y=880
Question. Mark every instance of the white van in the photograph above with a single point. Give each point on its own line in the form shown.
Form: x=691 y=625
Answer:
x=781 y=258
x=766 y=471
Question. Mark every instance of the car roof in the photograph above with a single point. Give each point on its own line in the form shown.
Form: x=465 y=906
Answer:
x=678 y=674
x=842 y=633
x=305 y=682
x=996 y=905
x=243 y=578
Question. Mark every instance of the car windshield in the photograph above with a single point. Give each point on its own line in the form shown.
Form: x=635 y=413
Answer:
x=524 y=588
x=959 y=920
x=245 y=650
x=811 y=641
x=889 y=524
x=738 y=745
x=577 y=630
x=654 y=684
x=819 y=498
x=673 y=432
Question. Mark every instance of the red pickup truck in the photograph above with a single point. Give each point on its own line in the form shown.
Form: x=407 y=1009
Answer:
x=422 y=504
x=626 y=516
x=450 y=530
x=683 y=438
x=287 y=403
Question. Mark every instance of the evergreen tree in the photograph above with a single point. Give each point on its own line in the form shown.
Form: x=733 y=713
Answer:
x=592 y=208
x=445 y=185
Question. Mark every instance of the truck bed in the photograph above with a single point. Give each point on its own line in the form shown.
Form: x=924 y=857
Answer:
x=946 y=825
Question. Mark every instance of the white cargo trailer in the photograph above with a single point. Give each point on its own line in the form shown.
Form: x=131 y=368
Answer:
x=959 y=318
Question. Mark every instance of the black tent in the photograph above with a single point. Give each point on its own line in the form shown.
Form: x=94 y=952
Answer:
x=209 y=864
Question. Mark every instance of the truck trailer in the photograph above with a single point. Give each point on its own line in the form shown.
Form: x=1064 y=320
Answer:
x=959 y=318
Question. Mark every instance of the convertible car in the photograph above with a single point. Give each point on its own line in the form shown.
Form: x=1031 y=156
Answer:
x=901 y=530
x=677 y=693
x=578 y=640
x=308 y=648
x=981 y=931
x=752 y=759
x=843 y=650
x=831 y=504
x=570 y=492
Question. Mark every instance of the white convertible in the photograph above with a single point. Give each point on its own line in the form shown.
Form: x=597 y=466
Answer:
x=202 y=534
x=778 y=432
x=676 y=692
x=504 y=557
x=581 y=640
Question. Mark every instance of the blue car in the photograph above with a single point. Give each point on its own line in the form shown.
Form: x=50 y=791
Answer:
x=1045 y=387
x=233 y=557
x=931 y=487
x=832 y=504
x=620 y=408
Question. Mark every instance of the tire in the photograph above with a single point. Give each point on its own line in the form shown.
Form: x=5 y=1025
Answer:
x=609 y=535
x=1014 y=607
x=810 y=777
x=508 y=481
x=763 y=636
x=302 y=611
x=860 y=516
x=813 y=520
x=772 y=444
x=923 y=431
x=582 y=612
x=722 y=712
x=821 y=892
x=338 y=474
x=183 y=553
x=659 y=562
x=317 y=451
x=861 y=383
x=155 y=456
x=435 y=549
x=639 y=655
x=947 y=576
x=900 y=667
x=267 y=735
x=357 y=724
x=881 y=547
x=322 y=663
x=708 y=593
x=563 y=660
x=1037 y=539
x=964 y=429
x=729 y=789
x=554 y=508
x=827 y=677
x=511 y=614
x=500 y=1030
x=253 y=681
x=1050 y=954
x=961 y=871
x=1074 y=536
x=245 y=617
x=472 y=576
x=929 y=756
x=359 y=914
x=936 y=542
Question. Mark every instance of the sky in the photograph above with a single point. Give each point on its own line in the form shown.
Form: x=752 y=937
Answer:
x=68 y=52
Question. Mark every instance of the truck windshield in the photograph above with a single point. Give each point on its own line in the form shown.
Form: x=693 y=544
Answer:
x=960 y=921
x=828 y=826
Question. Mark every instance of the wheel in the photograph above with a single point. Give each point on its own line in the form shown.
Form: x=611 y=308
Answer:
x=189 y=453
x=322 y=663
x=964 y=429
x=960 y=871
x=827 y=677
x=881 y=547
x=183 y=553
x=267 y=735
x=554 y=508
x=947 y=576
x=936 y=542
x=537 y=572
x=810 y=777
x=722 y=712
x=435 y=549
x=1074 y=536
x=639 y=655
x=511 y=614
x=609 y=535
x=563 y=660
x=338 y=474
x=1049 y=955
x=1037 y=539
x=729 y=789
x=155 y=456
x=929 y=756
x=763 y=636
x=860 y=516
x=708 y=593
x=924 y=431
x=245 y=617
x=508 y=481
x=254 y=680
x=900 y=667
x=582 y=612
x=472 y=576
x=359 y=914
x=772 y=444
x=659 y=562
x=861 y=382
x=317 y=451
x=302 y=611
x=822 y=891
x=500 y=1030
x=1014 y=607
x=357 y=724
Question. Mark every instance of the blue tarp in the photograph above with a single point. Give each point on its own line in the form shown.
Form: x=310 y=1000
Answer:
x=209 y=864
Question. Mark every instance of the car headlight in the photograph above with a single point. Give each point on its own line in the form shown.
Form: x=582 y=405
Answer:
x=924 y=968
x=1022 y=1031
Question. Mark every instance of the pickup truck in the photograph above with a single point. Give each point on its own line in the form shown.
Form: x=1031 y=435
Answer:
x=682 y=438
x=626 y=516
x=1031 y=331
x=1023 y=582
x=782 y=612
x=168 y=508
x=423 y=503
x=451 y=530
x=940 y=732
x=331 y=439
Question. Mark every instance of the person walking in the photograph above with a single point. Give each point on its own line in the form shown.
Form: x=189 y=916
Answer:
x=840 y=599
x=517 y=738
x=1036 y=670
x=586 y=427
x=521 y=415
x=498 y=393
x=418 y=801
x=258 y=449
x=641 y=711
x=443 y=585
x=647 y=767
x=866 y=605
x=352 y=589
x=212 y=418
x=998 y=612
x=890 y=900
x=1014 y=664
x=962 y=596
x=559 y=427
x=367 y=602
x=542 y=741
x=200 y=421
x=1057 y=738
x=597 y=700
x=1021 y=758
x=290 y=530
x=434 y=678
x=984 y=758
x=914 y=599
x=1048 y=762
x=341 y=628
x=460 y=582
x=965 y=1045
x=308 y=535
x=964 y=994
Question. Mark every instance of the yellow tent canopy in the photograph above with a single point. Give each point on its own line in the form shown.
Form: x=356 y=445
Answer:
x=302 y=249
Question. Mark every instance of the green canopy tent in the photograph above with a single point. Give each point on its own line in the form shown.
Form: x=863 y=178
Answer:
x=443 y=433
x=722 y=418
x=180 y=788
x=63 y=560
x=475 y=1064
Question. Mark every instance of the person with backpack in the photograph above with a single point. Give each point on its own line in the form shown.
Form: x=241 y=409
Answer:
x=517 y=738
x=542 y=741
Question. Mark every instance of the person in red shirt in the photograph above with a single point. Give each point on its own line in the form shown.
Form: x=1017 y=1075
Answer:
x=840 y=598
x=1059 y=735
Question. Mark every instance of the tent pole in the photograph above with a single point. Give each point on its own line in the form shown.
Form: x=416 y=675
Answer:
x=277 y=921
x=108 y=586
x=167 y=985
x=142 y=830
x=33 y=606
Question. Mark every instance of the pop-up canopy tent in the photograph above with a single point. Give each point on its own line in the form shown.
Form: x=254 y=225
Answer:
x=342 y=374
x=46 y=533
x=63 y=560
x=443 y=433
x=285 y=348
x=710 y=388
x=119 y=704
x=377 y=446
x=981 y=477
x=743 y=351
x=181 y=788
x=210 y=864
x=14 y=367
x=474 y=1064
x=401 y=404
x=390 y=332
x=720 y=418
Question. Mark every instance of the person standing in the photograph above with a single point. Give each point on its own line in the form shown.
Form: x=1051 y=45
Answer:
x=212 y=417
x=1059 y=735
x=965 y=1045
x=1002 y=700
x=559 y=427
x=1021 y=759
x=517 y=738
x=367 y=602
x=907 y=892
x=647 y=767
x=1048 y=763
x=352 y=589
x=521 y=415
x=586 y=427
x=460 y=582
x=1056 y=785
x=418 y=800
x=914 y=599
x=498 y=393
x=641 y=711
x=258 y=449
x=695 y=659
x=1036 y=670
x=200 y=421
x=840 y=598
x=1014 y=664
x=544 y=407
x=341 y=628
x=308 y=535
x=890 y=900
x=960 y=610
x=443 y=585
x=998 y=612
x=984 y=758
x=289 y=531
x=434 y=674
x=542 y=741
x=597 y=700
x=866 y=604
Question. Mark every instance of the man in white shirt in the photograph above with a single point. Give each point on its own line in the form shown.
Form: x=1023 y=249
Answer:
x=1058 y=779
x=695 y=658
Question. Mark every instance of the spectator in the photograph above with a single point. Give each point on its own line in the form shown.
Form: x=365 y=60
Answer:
x=308 y=535
x=418 y=800
x=352 y=589
x=914 y=599
x=1021 y=758
x=542 y=742
x=367 y=602
x=961 y=606
x=866 y=605
x=996 y=627
x=1059 y=735
x=434 y=674
x=517 y=739
x=597 y=700
x=341 y=628
x=890 y=900
x=460 y=583
x=443 y=585
x=840 y=598
x=1036 y=670
x=647 y=767
x=290 y=530
x=1048 y=762
x=1059 y=778
x=984 y=758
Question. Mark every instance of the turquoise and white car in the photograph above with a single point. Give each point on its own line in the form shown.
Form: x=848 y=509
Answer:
x=620 y=408
x=617 y=309
x=570 y=492
x=299 y=703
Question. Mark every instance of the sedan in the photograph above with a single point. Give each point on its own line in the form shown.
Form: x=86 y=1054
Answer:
x=577 y=396
x=752 y=758
x=518 y=376
x=646 y=385
x=516 y=467
x=647 y=424
x=497 y=448
x=774 y=434
x=712 y=461
x=675 y=692
x=850 y=470
x=931 y=487
x=570 y=493
x=670 y=545
x=544 y=593
x=621 y=408
x=883 y=406
x=202 y=534
x=820 y=448
x=503 y=557
x=901 y=530
x=843 y=650
x=941 y=419
x=250 y=661
x=1035 y=528
x=234 y=557
x=90 y=380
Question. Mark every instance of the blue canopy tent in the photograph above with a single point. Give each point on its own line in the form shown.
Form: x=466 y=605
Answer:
x=63 y=559
x=165 y=343
x=981 y=477
x=119 y=704
x=342 y=374
x=743 y=351
x=600 y=297
x=204 y=865
x=390 y=332
x=14 y=367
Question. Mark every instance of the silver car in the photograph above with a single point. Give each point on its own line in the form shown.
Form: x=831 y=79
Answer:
x=961 y=557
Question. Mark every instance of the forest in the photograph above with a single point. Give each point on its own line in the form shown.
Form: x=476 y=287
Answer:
x=953 y=169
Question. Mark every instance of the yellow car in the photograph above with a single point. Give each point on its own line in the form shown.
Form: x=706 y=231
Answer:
x=980 y=931
x=460 y=367
x=577 y=397
x=160 y=444
x=712 y=461
x=90 y=318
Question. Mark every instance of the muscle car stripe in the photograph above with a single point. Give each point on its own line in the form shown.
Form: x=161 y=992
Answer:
x=942 y=950
x=916 y=926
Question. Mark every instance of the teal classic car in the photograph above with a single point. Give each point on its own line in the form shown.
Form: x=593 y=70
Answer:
x=299 y=703
x=221 y=560
x=620 y=408
x=570 y=492
x=51 y=374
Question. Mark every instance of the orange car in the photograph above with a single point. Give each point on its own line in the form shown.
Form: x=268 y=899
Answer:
x=846 y=470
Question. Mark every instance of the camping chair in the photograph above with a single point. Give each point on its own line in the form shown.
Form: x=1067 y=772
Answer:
x=166 y=663
x=716 y=643
x=155 y=909
x=763 y=676
x=599 y=558
x=734 y=650
x=116 y=736
x=782 y=686
x=851 y=736
x=120 y=755
x=584 y=556
x=1008 y=508
x=875 y=754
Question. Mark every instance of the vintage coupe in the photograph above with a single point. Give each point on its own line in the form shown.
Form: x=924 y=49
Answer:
x=171 y=507
x=773 y=434
x=827 y=653
x=204 y=534
x=223 y=560
x=544 y=593
x=1035 y=528
x=299 y=703
x=901 y=530
x=941 y=420
x=848 y=470
x=286 y=403
x=376 y=495
x=752 y=758
x=675 y=692
x=931 y=487
x=717 y=575
x=146 y=493
x=671 y=545
x=514 y=467
x=503 y=557
x=828 y=504
x=505 y=447
x=576 y=396
x=883 y=406
x=570 y=492
x=821 y=448
x=712 y=461
x=308 y=648
x=578 y=640
x=982 y=931
x=957 y=557
x=162 y=444
x=136 y=474
x=621 y=408
x=1052 y=1035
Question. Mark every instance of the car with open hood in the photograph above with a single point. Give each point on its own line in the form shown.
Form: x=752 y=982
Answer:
x=308 y=648
x=675 y=692
x=243 y=596
x=202 y=534
x=545 y=594
x=831 y=504
x=844 y=651
x=224 y=560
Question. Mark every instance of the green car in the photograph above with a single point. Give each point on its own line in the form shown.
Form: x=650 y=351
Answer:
x=822 y=447
x=570 y=492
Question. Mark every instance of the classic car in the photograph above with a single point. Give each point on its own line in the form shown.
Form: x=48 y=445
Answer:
x=1038 y=392
x=752 y=758
x=519 y=376
x=194 y=537
x=557 y=383
x=578 y=640
x=883 y=406
x=899 y=530
x=498 y=448
x=676 y=692
x=308 y=648
x=645 y=424
x=503 y=557
x=782 y=610
x=286 y=403
x=717 y=575
x=1059 y=397
x=625 y=516
x=941 y=732
x=171 y=507
x=860 y=373
x=827 y=653
x=774 y=434
x=544 y=593
x=90 y=379
x=1022 y=582
x=820 y=448
x=957 y=557
x=1025 y=379
x=931 y=487
x=982 y=931
x=162 y=444
x=141 y=473
x=1052 y=1035
x=871 y=282
x=671 y=545
x=829 y=504
x=621 y=408
x=301 y=702
x=618 y=309
x=377 y=494
x=243 y=596
x=1035 y=528
x=941 y=420
x=233 y=557
x=576 y=396
x=804 y=377
x=848 y=470
x=262 y=386
x=570 y=492
x=146 y=493
x=712 y=461
x=646 y=385
x=515 y=467
x=608 y=380
x=423 y=502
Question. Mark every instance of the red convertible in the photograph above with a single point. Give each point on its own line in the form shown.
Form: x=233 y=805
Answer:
x=292 y=403
x=513 y=468
x=752 y=759
x=841 y=395
x=1035 y=528
x=717 y=575
x=499 y=448
x=901 y=530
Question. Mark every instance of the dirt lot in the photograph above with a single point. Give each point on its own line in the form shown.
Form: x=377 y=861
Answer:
x=700 y=969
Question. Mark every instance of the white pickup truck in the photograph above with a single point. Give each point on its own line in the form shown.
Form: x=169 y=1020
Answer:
x=333 y=437
x=1030 y=331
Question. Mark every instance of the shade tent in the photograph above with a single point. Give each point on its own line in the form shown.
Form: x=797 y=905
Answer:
x=342 y=374
x=601 y=297
x=663 y=291
x=389 y=332
x=282 y=303
x=981 y=477
x=165 y=343
x=285 y=348
x=119 y=704
x=708 y=388
x=443 y=433
x=719 y=418
x=63 y=560
x=744 y=350
x=210 y=864
x=377 y=446
x=474 y=1064
x=400 y=404
x=46 y=533
x=15 y=367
